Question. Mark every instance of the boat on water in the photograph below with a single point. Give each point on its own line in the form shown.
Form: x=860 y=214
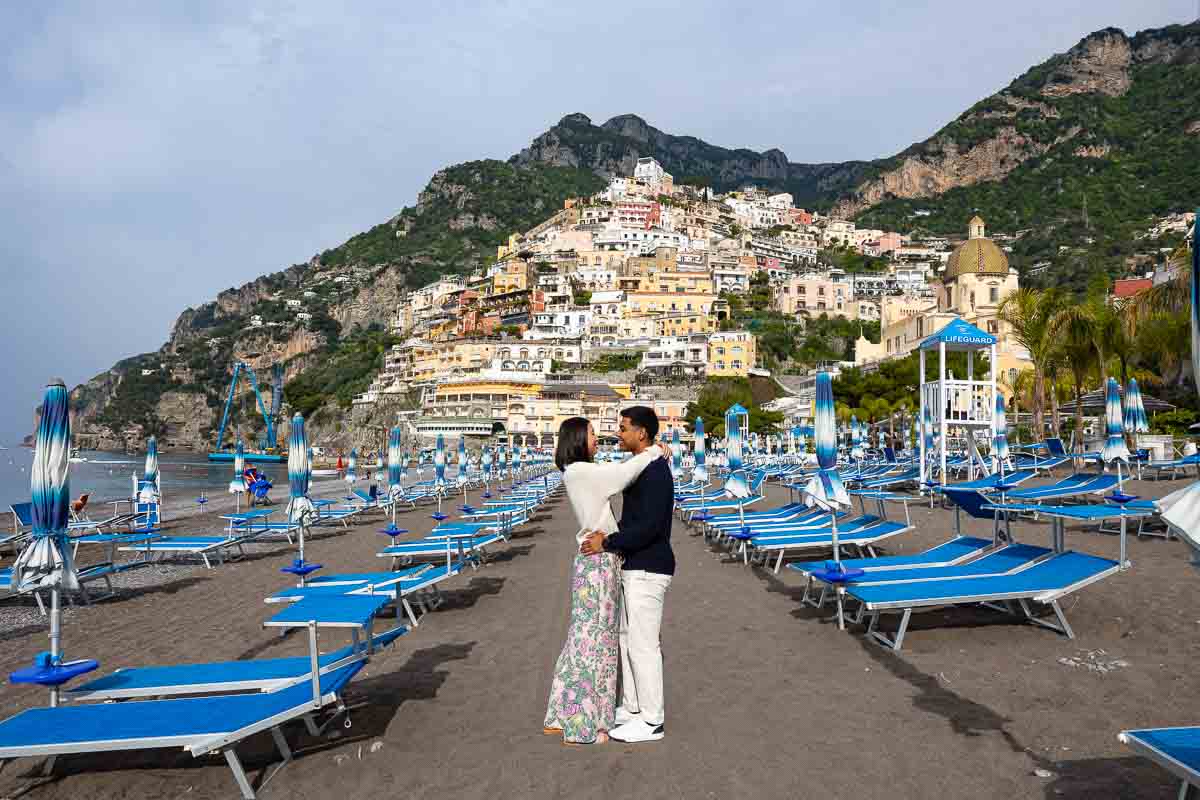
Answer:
x=325 y=473
x=76 y=458
x=251 y=458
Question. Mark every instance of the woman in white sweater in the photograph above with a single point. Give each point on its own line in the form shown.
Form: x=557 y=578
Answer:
x=583 y=697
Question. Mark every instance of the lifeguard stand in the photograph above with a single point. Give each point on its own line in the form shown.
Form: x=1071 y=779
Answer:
x=966 y=403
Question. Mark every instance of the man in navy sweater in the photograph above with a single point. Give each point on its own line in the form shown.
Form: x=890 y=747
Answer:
x=643 y=538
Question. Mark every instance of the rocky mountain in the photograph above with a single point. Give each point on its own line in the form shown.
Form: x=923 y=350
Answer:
x=1071 y=159
x=1075 y=157
x=613 y=148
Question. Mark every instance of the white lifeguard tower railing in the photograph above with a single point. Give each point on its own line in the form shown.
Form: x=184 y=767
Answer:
x=969 y=404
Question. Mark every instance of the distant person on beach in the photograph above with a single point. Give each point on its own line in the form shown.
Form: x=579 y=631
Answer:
x=583 y=696
x=643 y=540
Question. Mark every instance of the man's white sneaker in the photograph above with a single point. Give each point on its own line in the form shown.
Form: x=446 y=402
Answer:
x=636 y=731
x=624 y=717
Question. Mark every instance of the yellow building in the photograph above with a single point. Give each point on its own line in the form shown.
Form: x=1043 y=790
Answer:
x=512 y=276
x=662 y=260
x=731 y=354
x=684 y=324
x=656 y=303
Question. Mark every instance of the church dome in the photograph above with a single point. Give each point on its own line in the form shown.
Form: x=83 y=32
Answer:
x=978 y=255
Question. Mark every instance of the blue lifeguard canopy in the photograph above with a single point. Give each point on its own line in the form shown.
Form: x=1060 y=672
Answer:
x=959 y=334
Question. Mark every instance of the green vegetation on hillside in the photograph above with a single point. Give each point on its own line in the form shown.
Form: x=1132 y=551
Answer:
x=340 y=372
x=1083 y=213
x=719 y=394
x=137 y=396
x=464 y=213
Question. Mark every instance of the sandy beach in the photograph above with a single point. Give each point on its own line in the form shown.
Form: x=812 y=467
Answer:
x=765 y=698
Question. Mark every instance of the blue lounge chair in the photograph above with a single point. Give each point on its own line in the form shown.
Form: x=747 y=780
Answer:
x=162 y=547
x=420 y=584
x=1177 y=750
x=1043 y=581
x=862 y=539
x=198 y=725
x=221 y=677
x=1076 y=485
x=955 y=551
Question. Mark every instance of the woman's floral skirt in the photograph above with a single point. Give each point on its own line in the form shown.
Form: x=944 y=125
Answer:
x=583 y=697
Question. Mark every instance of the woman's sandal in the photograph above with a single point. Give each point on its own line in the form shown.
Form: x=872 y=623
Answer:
x=552 y=731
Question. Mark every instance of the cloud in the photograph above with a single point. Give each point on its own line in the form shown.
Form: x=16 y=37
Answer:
x=152 y=155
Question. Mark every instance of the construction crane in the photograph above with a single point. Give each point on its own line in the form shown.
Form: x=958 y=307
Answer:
x=268 y=418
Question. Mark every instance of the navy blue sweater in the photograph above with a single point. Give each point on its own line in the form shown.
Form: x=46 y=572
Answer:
x=643 y=534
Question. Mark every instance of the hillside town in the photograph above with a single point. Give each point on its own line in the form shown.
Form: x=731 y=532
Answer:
x=627 y=294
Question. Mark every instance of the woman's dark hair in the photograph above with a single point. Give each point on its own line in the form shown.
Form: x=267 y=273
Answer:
x=572 y=443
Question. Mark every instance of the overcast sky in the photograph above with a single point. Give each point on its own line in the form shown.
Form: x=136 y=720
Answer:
x=150 y=158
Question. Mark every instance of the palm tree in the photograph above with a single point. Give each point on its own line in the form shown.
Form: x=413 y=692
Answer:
x=1028 y=313
x=1073 y=329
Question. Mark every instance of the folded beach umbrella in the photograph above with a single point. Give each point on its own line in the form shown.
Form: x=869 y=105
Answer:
x=1135 y=409
x=148 y=486
x=439 y=463
x=461 y=478
x=300 y=508
x=238 y=484
x=676 y=455
x=825 y=487
x=395 y=456
x=502 y=462
x=1000 y=434
x=46 y=561
x=856 y=447
x=405 y=460
x=352 y=467
x=310 y=463
x=1115 y=448
x=1183 y=516
x=485 y=462
x=699 y=470
x=736 y=484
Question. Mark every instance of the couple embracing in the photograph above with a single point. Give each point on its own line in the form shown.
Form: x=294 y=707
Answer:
x=619 y=581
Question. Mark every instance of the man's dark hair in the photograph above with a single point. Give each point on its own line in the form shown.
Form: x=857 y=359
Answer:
x=572 y=443
x=642 y=417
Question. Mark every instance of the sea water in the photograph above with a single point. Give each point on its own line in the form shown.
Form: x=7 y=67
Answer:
x=109 y=476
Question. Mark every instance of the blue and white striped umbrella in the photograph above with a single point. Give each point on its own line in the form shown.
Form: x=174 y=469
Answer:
x=439 y=463
x=148 y=485
x=150 y=473
x=352 y=467
x=826 y=487
x=46 y=561
x=461 y=478
x=1135 y=409
x=1114 y=428
x=856 y=446
x=300 y=507
x=238 y=484
x=736 y=484
x=405 y=460
x=699 y=470
x=676 y=455
x=927 y=419
x=502 y=462
x=485 y=462
x=1000 y=433
x=395 y=457
x=518 y=458
x=310 y=465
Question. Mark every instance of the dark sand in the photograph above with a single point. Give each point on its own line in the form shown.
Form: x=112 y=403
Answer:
x=764 y=697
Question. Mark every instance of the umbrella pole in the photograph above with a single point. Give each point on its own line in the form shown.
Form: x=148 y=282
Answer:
x=837 y=559
x=55 y=636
